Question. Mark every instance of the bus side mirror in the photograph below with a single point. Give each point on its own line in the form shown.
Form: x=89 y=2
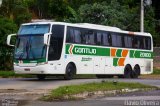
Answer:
x=9 y=39
x=46 y=38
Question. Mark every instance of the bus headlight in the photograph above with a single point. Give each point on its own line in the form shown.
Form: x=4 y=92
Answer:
x=16 y=64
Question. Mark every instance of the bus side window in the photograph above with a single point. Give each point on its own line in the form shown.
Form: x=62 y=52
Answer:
x=147 y=43
x=135 y=42
x=141 y=41
x=116 y=39
x=90 y=37
x=77 y=36
x=99 y=38
x=106 y=39
x=70 y=35
x=83 y=37
x=128 y=41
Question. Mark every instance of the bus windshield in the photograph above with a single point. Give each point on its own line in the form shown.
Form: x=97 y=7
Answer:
x=34 y=29
x=30 y=47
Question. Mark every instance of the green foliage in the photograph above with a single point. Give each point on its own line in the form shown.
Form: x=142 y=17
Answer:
x=16 y=10
x=7 y=26
x=156 y=71
x=118 y=13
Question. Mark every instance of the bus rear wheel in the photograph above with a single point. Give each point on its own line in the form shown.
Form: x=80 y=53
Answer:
x=136 y=71
x=70 y=72
x=41 y=77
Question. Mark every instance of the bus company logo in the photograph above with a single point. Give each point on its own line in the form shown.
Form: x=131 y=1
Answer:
x=142 y=54
x=71 y=49
x=85 y=50
x=81 y=50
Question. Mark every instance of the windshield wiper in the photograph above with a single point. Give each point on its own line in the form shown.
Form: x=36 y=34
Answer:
x=21 y=56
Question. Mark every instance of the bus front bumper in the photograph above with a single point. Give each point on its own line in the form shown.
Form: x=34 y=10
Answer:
x=31 y=70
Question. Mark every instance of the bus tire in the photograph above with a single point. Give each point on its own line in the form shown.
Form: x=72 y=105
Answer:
x=127 y=71
x=70 y=72
x=41 y=76
x=136 y=71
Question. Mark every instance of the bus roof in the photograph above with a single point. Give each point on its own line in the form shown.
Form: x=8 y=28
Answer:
x=88 y=25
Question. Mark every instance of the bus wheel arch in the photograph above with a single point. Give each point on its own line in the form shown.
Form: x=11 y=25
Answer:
x=136 y=71
x=70 y=71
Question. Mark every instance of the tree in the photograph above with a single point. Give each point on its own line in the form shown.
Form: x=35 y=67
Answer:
x=7 y=26
x=16 y=10
x=111 y=13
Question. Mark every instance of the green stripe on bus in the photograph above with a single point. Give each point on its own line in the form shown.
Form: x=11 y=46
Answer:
x=99 y=51
x=85 y=50
x=115 y=61
x=119 y=53
x=131 y=53
x=141 y=54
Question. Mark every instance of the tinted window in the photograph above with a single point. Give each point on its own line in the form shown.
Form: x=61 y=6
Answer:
x=116 y=40
x=56 y=42
x=138 y=42
x=74 y=35
x=99 y=38
x=128 y=41
x=106 y=39
x=70 y=35
x=77 y=36
x=148 y=43
x=90 y=37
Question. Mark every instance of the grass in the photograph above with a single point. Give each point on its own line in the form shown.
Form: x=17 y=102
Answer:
x=156 y=71
x=8 y=74
x=61 y=92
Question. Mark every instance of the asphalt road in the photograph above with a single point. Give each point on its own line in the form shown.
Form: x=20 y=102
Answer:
x=9 y=88
x=33 y=83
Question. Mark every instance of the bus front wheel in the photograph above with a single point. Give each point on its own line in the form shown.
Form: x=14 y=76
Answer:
x=70 y=72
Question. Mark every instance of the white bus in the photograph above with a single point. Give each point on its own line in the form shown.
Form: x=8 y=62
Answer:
x=59 y=48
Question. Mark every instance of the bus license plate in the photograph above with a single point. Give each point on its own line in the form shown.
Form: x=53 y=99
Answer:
x=27 y=69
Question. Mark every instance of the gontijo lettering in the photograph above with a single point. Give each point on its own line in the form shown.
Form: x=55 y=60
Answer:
x=85 y=50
